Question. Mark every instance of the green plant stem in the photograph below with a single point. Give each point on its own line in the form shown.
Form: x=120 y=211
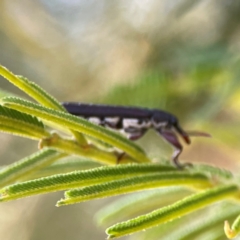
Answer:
x=90 y=151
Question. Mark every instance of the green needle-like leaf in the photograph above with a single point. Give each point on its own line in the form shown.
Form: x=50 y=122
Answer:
x=138 y=203
x=94 y=142
x=32 y=89
x=195 y=225
x=78 y=179
x=64 y=166
x=37 y=93
x=216 y=171
x=15 y=122
x=27 y=165
x=176 y=210
x=135 y=183
x=78 y=124
x=214 y=218
x=72 y=147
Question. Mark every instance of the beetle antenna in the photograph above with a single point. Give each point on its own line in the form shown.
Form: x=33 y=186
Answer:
x=198 y=134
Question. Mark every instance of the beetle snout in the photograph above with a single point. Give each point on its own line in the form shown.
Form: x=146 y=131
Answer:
x=183 y=134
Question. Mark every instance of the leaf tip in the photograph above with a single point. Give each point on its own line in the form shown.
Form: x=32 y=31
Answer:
x=3 y=195
x=230 y=233
x=110 y=235
x=60 y=203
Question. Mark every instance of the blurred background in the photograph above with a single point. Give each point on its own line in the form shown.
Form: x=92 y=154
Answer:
x=181 y=56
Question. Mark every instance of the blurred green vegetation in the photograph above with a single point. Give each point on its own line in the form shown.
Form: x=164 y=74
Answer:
x=180 y=56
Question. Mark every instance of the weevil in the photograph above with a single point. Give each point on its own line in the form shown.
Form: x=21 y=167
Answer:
x=134 y=122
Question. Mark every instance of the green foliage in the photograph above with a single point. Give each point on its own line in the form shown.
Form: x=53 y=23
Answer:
x=31 y=127
x=32 y=89
x=170 y=212
x=45 y=171
x=36 y=92
x=65 y=165
x=78 y=124
x=143 y=202
x=22 y=168
x=78 y=179
x=131 y=184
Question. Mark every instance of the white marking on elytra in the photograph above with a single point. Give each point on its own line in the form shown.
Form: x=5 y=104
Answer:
x=135 y=123
x=159 y=124
x=112 y=120
x=95 y=120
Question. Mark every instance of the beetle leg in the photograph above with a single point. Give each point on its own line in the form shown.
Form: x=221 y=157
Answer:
x=133 y=134
x=120 y=157
x=136 y=135
x=171 y=137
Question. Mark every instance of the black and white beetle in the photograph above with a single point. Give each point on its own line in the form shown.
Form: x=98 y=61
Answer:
x=134 y=122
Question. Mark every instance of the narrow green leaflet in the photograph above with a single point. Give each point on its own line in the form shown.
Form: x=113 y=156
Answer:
x=15 y=122
x=64 y=166
x=199 y=224
x=176 y=210
x=78 y=124
x=27 y=165
x=7 y=112
x=78 y=179
x=212 y=219
x=37 y=93
x=32 y=89
x=223 y=173
x=40 y=95
x=135 y=183
x=137 y=203
x=24 y=118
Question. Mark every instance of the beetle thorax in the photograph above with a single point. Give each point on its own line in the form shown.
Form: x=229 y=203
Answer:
x=158 y=124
